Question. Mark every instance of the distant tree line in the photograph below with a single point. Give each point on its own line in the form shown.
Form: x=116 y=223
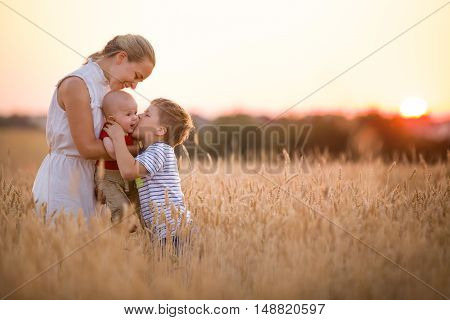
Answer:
x=365 y=136
x=258 y=138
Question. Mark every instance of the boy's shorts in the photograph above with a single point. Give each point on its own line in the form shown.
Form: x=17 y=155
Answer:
x=117 y=192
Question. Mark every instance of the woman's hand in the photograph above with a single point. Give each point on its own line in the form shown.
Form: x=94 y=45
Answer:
x=114 y=130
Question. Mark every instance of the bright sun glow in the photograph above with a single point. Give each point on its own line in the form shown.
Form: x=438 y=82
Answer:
x=413 y=107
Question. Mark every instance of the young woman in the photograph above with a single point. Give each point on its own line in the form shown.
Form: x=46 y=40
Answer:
x=65 y=180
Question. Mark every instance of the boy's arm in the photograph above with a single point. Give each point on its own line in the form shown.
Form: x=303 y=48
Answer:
x=147 y=163
x=129 y=168
x=109 y=146
x=134 y=149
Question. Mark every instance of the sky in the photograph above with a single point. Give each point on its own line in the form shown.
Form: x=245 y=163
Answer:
x=220 y=57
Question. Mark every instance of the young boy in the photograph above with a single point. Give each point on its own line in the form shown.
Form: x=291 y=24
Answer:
x=161 y=127
x=122 y=108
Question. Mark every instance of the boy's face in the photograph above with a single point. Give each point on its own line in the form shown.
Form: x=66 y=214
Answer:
x=126 y=115
x=149 y=125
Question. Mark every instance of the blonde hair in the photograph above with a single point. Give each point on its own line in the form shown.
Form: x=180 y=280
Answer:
x=177 y=121
x=137 y=48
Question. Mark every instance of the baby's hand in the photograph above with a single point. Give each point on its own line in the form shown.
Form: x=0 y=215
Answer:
x=114 y=130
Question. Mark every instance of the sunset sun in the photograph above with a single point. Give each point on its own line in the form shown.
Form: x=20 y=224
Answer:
x=413 y=107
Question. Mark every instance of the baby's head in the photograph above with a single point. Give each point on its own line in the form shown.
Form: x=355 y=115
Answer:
x=122 y=108
x=164 y=120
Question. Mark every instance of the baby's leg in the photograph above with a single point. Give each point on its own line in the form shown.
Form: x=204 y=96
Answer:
x=133 y=196
x=112 y=187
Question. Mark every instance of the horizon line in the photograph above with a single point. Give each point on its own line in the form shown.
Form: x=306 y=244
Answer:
x=438 y=115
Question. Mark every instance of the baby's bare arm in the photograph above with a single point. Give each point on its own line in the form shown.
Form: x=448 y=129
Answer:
x=109 y=146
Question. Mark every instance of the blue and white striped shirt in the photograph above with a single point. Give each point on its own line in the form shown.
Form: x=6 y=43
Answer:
x=161 y=182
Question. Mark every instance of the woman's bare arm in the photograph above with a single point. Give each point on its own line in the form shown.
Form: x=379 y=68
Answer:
x=73 y=96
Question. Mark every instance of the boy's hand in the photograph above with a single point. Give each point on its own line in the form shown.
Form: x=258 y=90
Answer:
x=114 y=130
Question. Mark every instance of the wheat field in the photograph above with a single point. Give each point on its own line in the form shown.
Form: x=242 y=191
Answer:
x=289 y=235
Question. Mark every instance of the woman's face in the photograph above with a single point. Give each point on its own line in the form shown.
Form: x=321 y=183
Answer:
x=126 y=74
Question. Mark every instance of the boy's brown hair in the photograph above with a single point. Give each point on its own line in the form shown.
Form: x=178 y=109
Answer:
x=177 y=121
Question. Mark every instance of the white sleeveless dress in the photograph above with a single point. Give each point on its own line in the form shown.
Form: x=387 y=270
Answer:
x=65 y=180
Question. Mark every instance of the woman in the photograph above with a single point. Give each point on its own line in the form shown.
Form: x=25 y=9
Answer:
x=65 y=180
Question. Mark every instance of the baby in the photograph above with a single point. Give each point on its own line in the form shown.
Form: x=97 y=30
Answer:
x=161 y=127
x=120 y=107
